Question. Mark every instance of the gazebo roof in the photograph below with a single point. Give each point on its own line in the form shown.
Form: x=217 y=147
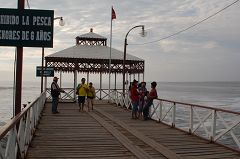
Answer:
x=91 y=35
x=92 y=52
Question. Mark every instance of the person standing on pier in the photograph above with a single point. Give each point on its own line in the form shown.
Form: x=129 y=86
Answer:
x=55 y=92
x=91 y=94
x=150 y=97
x=135 y=99
x=143 y=92
x=82 y=93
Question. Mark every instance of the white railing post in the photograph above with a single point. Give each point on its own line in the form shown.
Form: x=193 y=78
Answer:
x=1 y=150
x=173 y=115
x=214 y=119
x=160 y=111
x=21 y=130
x=191 y=120
x=10 y=152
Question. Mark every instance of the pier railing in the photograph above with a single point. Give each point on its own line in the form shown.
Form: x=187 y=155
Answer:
x=68 y=95
x=213 y=124
x=19 y=132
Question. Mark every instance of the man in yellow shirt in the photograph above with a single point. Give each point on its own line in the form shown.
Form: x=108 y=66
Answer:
x=82 y=93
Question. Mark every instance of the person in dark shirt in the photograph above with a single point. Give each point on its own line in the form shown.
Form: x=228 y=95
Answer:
x=150 y=97
x=55 y=92
x=143 y=92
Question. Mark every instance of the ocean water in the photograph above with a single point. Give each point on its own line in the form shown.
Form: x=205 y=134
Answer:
x=216 y=94
x=30 y=91
x=225 y=95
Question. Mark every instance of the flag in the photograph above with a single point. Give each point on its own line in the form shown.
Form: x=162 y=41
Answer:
x=113 y=14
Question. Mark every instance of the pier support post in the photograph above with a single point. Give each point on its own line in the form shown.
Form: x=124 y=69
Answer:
x=19 y=66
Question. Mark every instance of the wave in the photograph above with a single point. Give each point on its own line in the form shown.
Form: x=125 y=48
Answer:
x=4 y=88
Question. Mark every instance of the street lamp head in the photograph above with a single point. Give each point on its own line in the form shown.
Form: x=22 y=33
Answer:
x=143 y=32
x=61 y=22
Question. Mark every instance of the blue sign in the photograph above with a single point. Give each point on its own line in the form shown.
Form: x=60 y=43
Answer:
x=47 y=71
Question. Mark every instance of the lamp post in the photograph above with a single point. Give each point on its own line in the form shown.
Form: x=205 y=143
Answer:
x=61 y=23
x=124 y=57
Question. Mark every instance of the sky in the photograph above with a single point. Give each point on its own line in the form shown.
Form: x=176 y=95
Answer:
x=207 y=52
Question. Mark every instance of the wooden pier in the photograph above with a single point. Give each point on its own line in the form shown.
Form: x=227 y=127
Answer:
x=109 y=132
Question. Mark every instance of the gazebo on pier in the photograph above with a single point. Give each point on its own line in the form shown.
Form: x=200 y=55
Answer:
x=91 y=55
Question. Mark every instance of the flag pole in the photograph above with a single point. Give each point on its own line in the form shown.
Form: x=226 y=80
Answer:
x=110 y=57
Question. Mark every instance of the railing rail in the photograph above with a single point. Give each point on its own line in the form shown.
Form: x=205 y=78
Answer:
x=68 y=95
x=213 y=124
x=19 y=131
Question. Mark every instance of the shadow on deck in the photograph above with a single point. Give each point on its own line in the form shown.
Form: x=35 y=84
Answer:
x=109 y=132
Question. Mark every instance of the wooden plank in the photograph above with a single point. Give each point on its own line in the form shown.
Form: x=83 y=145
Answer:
x=123 y=139
x=160 y=148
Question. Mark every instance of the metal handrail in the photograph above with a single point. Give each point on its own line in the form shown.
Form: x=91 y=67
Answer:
x=213 y=124
x=20 y=130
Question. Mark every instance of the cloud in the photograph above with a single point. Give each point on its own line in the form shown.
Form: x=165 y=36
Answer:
x=206 y=52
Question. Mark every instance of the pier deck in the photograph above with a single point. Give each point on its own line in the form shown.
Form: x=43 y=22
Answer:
x=109 y=132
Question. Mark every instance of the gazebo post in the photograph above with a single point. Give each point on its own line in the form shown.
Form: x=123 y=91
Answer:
x=87 y=77
x=138 y=76
x=100 y=86
x=75 y=84
x=127 y=79
x=134 y=76
x=115 y=86
x=60 y=82
x=143 y=76
x=45 y=79
x=130 y=78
